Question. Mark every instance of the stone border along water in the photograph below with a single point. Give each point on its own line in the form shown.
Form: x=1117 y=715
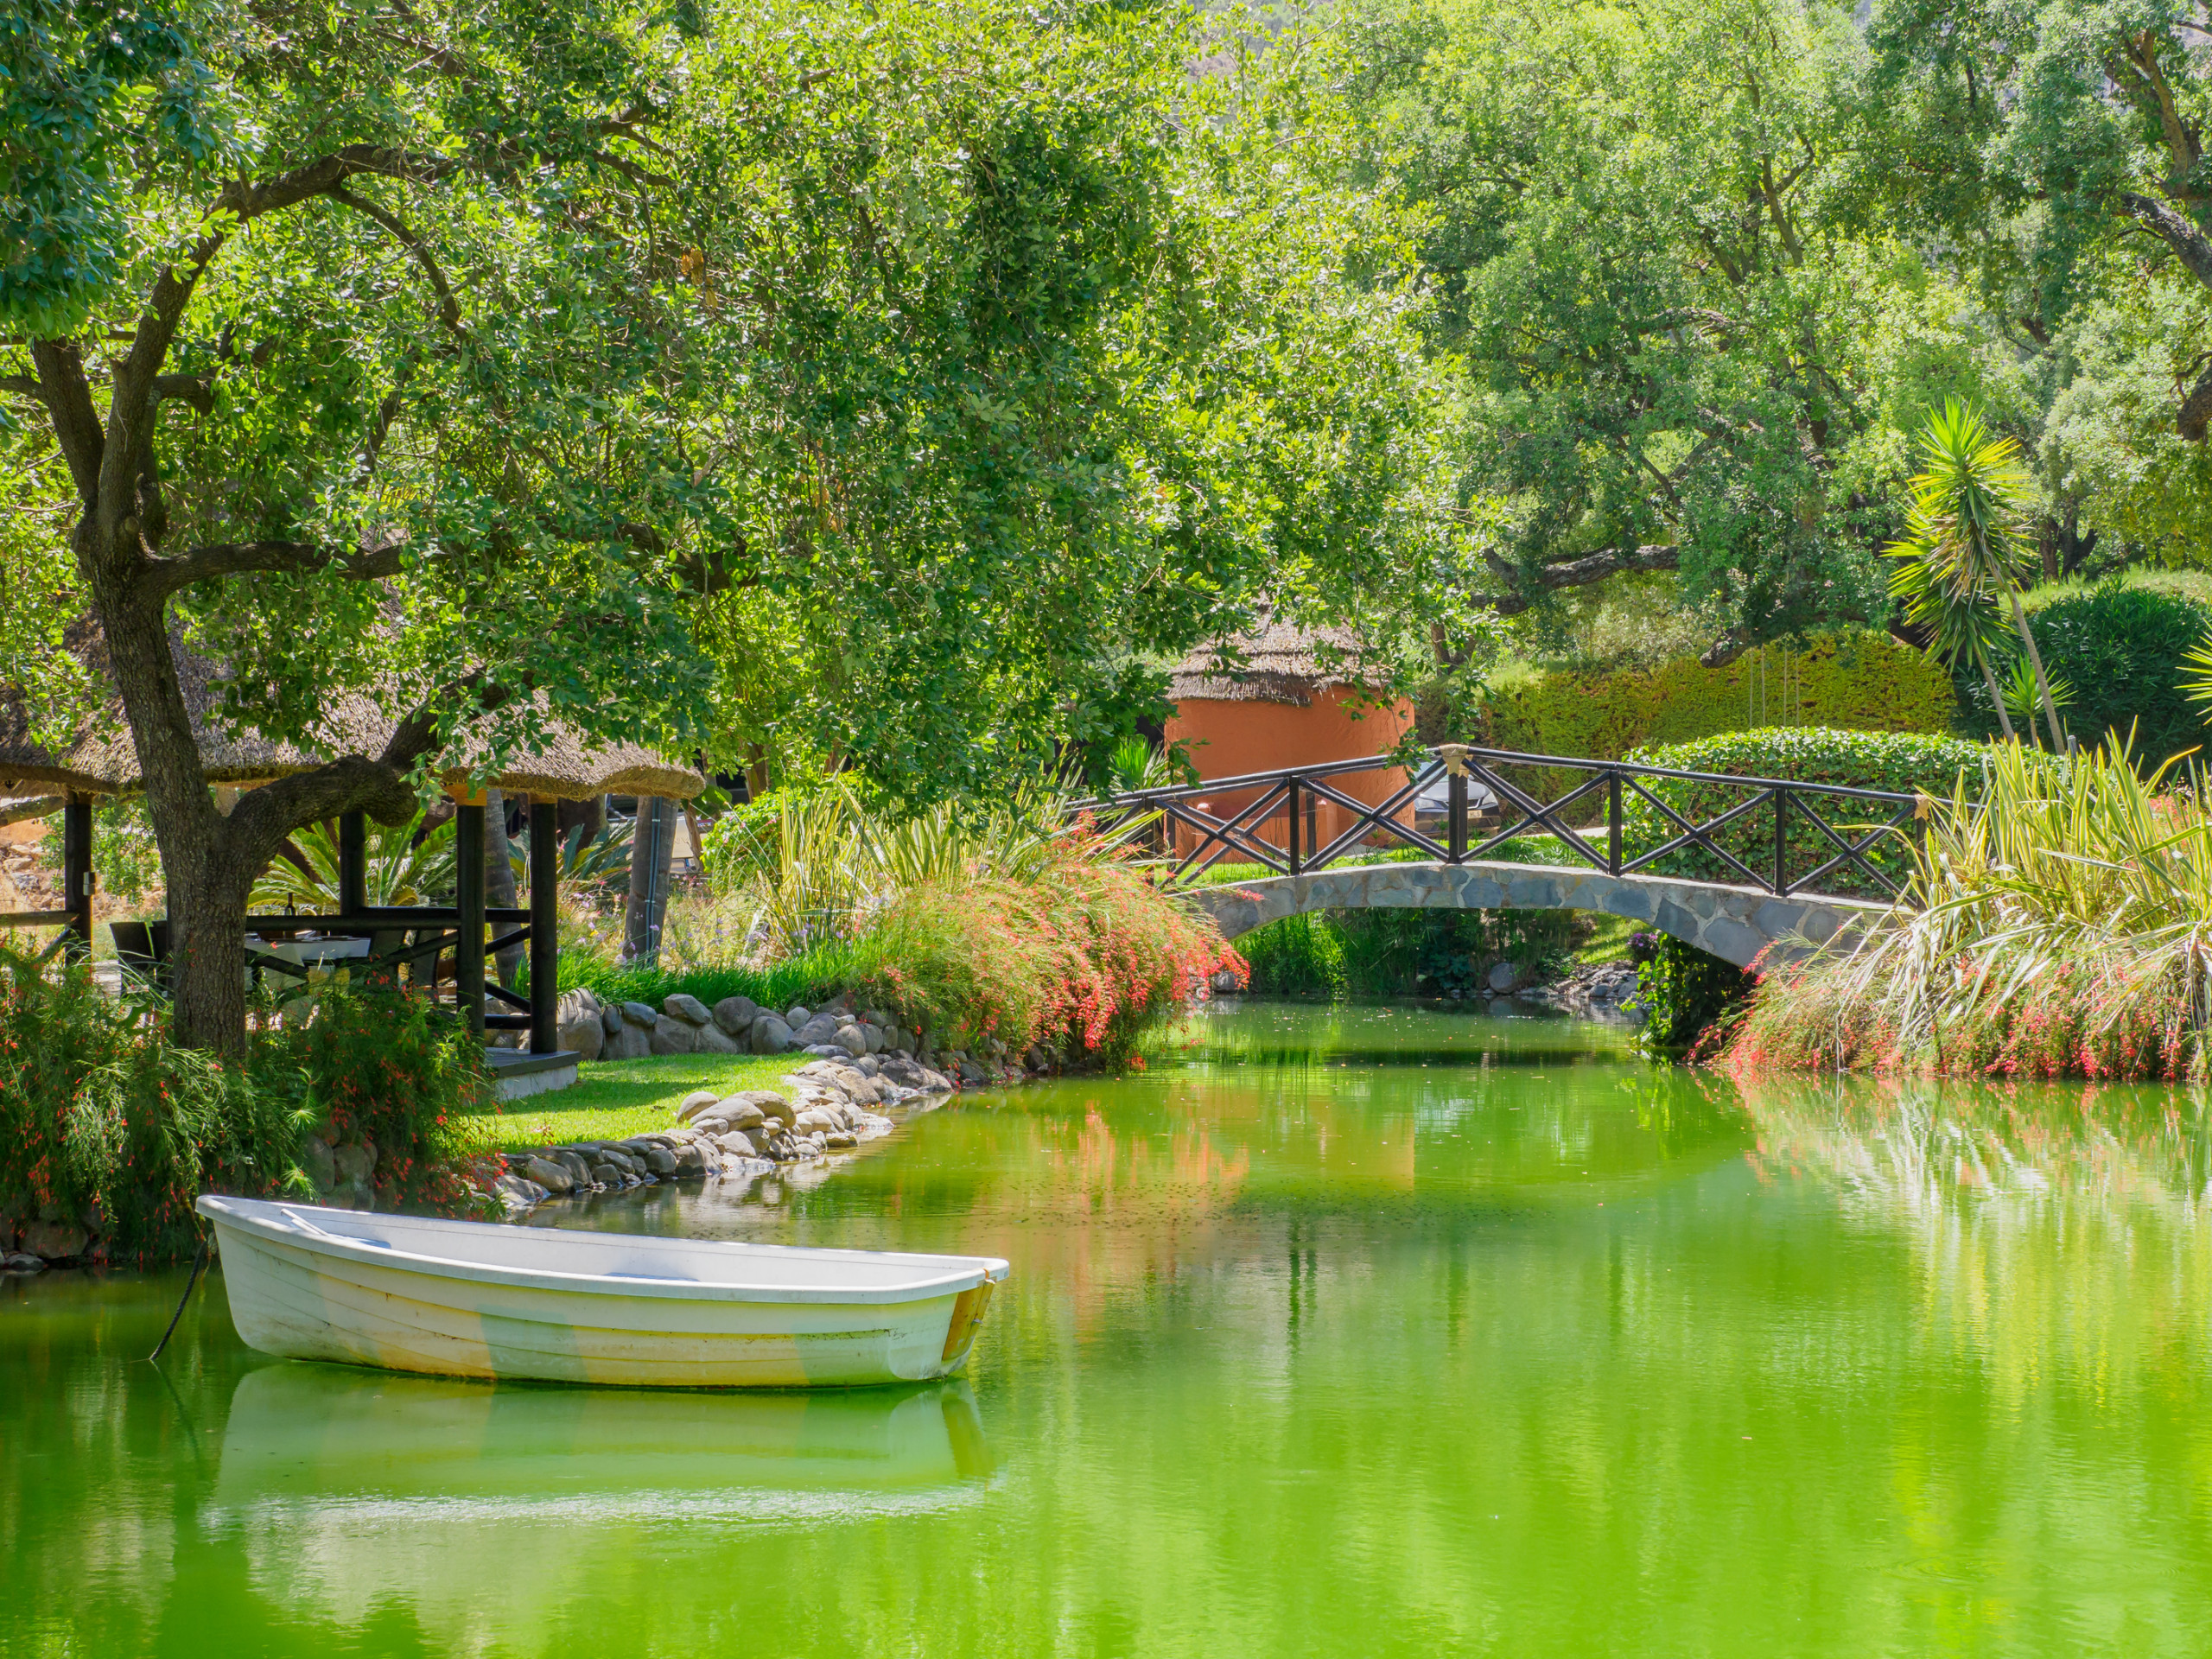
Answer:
x=860 y=1061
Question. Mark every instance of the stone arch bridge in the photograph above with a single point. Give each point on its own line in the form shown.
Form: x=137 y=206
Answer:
x=1797 y=861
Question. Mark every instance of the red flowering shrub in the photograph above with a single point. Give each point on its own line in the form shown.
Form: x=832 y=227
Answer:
x=1080 y=958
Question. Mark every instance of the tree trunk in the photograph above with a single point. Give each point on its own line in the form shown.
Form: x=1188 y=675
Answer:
x=1996 y=696
x=2035 y=661
x=652 y=843
x=590 y=815
x=500 y=881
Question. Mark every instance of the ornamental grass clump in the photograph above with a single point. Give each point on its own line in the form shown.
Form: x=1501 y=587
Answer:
x=2062 y=926
x=1079 y=958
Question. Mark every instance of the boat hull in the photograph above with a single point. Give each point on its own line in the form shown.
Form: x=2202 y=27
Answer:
x=301 y=1303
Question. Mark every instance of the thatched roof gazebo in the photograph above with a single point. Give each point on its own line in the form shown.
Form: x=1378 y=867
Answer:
x=100 y=759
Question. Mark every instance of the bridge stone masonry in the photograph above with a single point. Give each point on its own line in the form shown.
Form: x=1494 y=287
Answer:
x=1735 y=924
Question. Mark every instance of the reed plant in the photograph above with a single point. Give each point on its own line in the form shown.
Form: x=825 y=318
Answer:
x=2059 y=925
x=1008 y=926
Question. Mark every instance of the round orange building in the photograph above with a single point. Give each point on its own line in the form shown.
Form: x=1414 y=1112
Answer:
x=1298 y=699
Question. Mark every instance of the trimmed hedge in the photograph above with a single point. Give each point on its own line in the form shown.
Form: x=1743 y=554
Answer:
x=1863 y=681
x=2121 y=649
x=1905 y=762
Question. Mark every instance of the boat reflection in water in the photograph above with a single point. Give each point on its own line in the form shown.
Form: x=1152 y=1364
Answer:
x=330 y=1440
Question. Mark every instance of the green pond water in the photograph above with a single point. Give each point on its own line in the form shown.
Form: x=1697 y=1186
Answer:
x=1372 y=1331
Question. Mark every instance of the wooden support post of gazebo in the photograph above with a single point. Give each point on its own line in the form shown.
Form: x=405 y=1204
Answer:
x=545 y=924
x=352 y=863
x=78 y=877
x=469 y=902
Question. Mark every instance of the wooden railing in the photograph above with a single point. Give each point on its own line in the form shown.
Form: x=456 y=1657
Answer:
x=1749 y=842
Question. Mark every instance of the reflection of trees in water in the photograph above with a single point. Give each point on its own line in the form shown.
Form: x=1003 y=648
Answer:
x=2050 y=1226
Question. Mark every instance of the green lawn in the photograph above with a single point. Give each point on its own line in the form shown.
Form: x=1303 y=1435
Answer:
x=614 y=1100
x=1608 y=940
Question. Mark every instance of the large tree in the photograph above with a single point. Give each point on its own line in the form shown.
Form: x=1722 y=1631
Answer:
x=2049 y=136
x=1043 y=358
x=340 y=349
x=902 y=376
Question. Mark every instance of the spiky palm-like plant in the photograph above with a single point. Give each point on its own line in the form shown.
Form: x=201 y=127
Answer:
x=1963 y=627
x=1966 y=529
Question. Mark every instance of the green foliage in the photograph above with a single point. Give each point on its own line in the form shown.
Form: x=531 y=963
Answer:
x=1298 y=956
x=1039 y=356
x=124 y=852
x=1638 y=217
x=1682 y=993
x=1440 y=953
x=2124 y=651
x=808 y=978
x=1862 y=680
x=105 y=1122
x=2053 y=149
x=1901 y=762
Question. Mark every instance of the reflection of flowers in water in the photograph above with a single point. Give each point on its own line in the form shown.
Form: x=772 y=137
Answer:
x=2049 y=1230
x=1921 y=1145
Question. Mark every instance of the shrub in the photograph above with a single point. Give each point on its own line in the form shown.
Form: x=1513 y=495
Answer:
x=1682 y=993
x=2121 y=649
x=1902 y=762
x=1298 y=956
x=1079 y=959
x=2060 y=929
x=106 y=1124
x=1865 y=681
x=1410 y=953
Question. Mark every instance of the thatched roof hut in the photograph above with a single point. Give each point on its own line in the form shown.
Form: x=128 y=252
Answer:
x=1283 y=663
x=102 y=760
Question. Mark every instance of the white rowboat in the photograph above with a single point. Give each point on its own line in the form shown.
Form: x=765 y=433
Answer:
x=467 y=1299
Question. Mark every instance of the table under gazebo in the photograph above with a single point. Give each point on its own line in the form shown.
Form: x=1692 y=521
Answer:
x=101 y=763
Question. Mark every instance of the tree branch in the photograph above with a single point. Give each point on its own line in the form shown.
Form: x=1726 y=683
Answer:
x=1570 y=573
x=2195 y=412
x=167 y=575
x=2189 y=244
x=68 y=398
x=353 y=783
x=42 y=806
x=198 y=390
x=448 y=307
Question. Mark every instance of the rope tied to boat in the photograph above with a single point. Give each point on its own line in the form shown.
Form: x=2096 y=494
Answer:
x=198 y=1260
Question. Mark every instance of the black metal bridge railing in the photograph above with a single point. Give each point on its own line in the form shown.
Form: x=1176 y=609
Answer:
x=1779 y=836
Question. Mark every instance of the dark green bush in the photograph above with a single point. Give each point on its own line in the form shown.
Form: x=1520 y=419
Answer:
x=1902 y=762
x=107 y=1125
x=2120 y=650
x=1298 y=956
x=1681 y=990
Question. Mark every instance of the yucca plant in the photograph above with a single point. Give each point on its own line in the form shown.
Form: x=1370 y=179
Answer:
x=2020 y=692
x=400 y=868
x=602 y=860
x=1965 y=541
x=1962 y=623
